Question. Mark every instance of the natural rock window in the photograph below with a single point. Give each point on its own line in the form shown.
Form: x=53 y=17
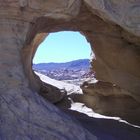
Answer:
x=118 y=86
x=64 y=56
x=113 y=29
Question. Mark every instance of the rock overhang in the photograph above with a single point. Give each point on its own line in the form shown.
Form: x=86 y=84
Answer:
x=114 y=39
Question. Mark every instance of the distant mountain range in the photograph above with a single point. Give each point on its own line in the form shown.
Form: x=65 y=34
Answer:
x=65 y=71
x=73 y=65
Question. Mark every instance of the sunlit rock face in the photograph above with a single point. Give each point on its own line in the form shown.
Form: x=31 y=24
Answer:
x=125 y=13
x=114 y=37
x=111 y=100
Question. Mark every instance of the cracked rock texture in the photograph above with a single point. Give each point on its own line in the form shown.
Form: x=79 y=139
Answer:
x=113 y=29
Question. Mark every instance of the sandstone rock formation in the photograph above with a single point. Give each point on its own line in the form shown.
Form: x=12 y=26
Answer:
x=106 y=98
x=113 y=29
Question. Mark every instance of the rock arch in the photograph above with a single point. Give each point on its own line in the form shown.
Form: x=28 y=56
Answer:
x=45 y=25
x=113 y=56
x=24 y=23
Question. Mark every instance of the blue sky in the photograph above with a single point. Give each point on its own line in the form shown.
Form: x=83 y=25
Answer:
x=62 y=47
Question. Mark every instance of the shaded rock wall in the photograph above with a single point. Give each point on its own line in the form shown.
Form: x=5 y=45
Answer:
x=23 y=113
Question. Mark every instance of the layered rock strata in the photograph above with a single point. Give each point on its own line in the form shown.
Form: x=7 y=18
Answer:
x=113 y=36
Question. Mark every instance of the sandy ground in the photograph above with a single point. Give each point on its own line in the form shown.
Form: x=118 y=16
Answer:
x=70 y=88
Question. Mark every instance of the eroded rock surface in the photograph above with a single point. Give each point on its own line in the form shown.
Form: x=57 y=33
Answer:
x=125 y=13
x=108 y=99
x=24 y=115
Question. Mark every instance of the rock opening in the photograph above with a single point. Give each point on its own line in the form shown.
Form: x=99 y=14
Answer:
x=111 y=27
x=108 y=43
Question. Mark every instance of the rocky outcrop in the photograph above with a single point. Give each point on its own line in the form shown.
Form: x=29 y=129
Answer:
x=113 y=32
x=108 y=99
